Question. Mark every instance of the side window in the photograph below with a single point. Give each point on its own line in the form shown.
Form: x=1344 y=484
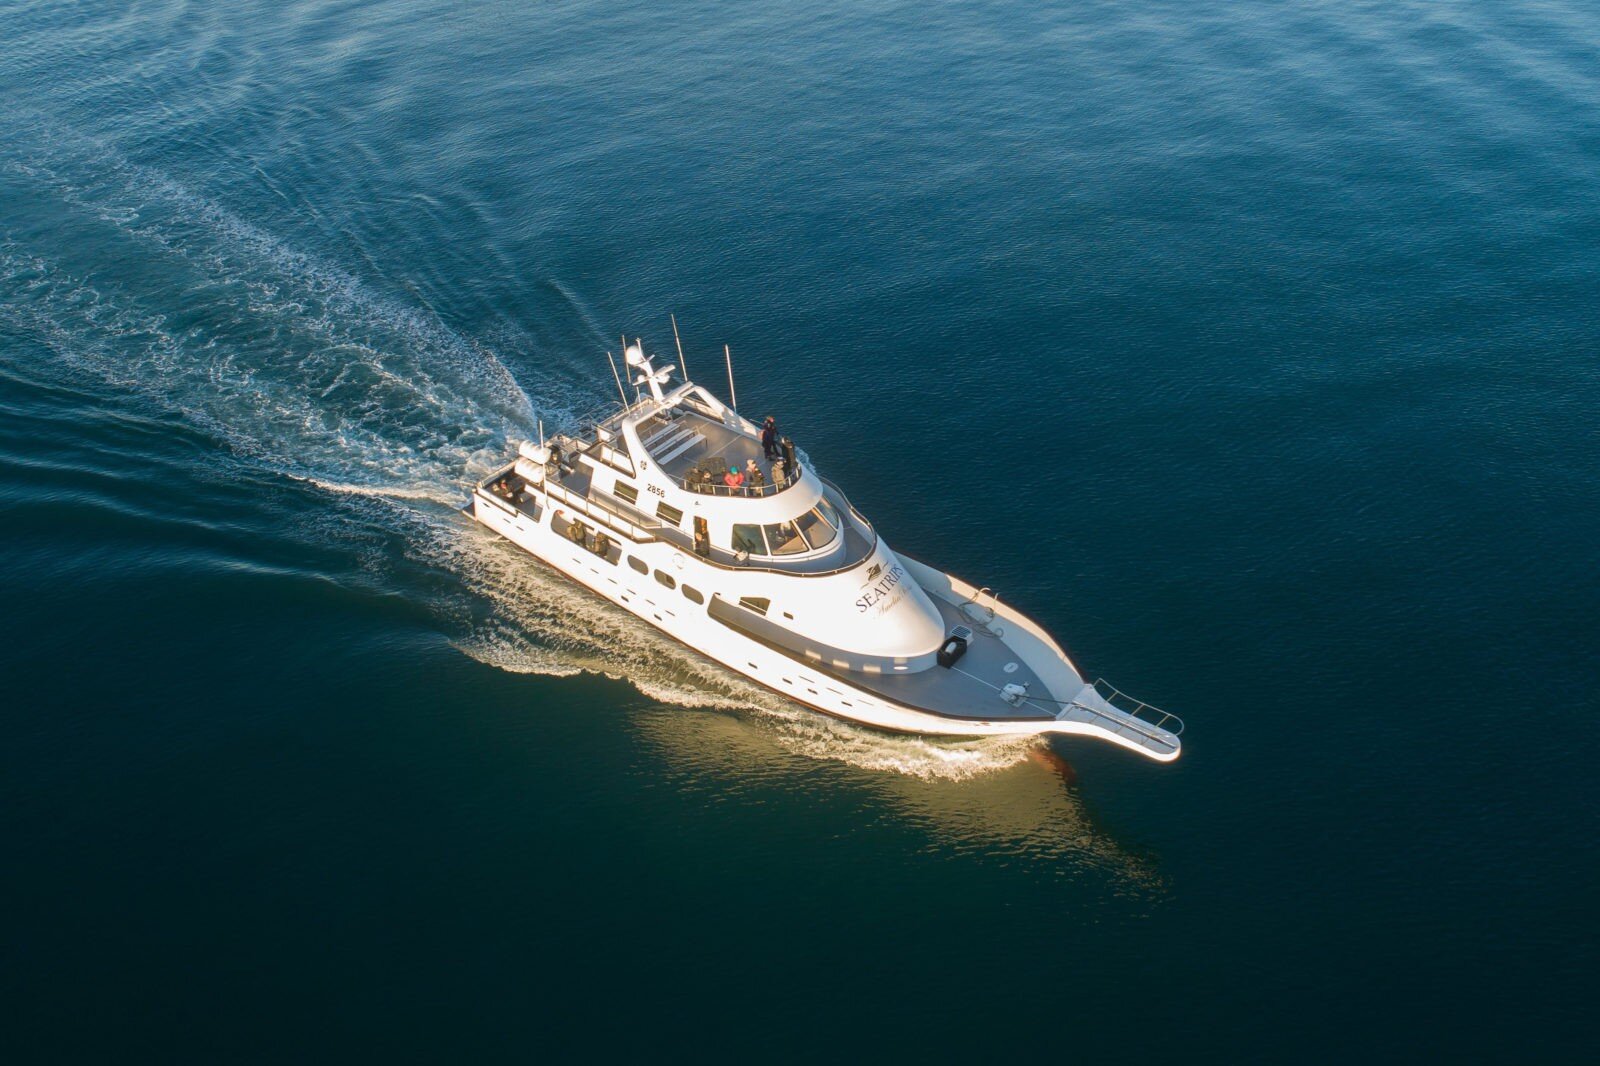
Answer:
x=638 y=565
x=669 y=514
x=666 y=579
x=748 y=539
x=758 y=604
x=626 y=492
x=692 y=594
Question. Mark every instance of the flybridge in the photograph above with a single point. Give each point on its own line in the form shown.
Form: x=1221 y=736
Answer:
x=674 y=509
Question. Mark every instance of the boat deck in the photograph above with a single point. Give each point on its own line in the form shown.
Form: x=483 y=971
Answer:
x=857 y=544
x=690 y=441
x=970 y=688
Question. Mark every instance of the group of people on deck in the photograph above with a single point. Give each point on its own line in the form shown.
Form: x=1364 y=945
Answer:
x=509 y=488
x=750 y=476
x=750 y=480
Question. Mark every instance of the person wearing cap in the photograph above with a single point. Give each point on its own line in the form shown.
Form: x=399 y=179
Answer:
x=733 y=479
x=769 y=438
x=753 y=475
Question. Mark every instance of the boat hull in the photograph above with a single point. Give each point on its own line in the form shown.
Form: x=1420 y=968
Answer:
x=671 y=611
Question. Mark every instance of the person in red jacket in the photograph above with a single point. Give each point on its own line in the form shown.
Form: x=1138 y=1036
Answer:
x=733 y=479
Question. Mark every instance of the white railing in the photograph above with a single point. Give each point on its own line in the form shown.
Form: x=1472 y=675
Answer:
x=718 y=488
x=556 y=491
x=1138 y=710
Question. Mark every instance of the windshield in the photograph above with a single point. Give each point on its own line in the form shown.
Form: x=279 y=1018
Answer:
x=785 y=539
x=818 y=531
x=812 y=531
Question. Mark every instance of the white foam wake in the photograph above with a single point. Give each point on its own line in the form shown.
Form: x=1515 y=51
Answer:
x=306 y=372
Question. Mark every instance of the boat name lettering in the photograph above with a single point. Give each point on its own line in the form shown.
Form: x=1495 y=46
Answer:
x=877 y=592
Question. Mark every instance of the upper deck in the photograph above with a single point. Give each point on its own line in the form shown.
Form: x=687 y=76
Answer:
x=695 y=449
x=576 y=484
x=658 y=467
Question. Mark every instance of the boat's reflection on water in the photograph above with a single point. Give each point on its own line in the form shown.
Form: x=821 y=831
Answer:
x=715 y=734
x=1017 y=797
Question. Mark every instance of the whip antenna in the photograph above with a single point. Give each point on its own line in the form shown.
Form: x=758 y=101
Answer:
x=682 y=363
x=732 y=396
x=618 y=378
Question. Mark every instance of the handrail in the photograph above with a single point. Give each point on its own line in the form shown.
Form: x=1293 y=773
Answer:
x=672 y=534
x=583 y=503
x=713 y=488
x=676 y=536
x=859 y=517
x=1137 y=711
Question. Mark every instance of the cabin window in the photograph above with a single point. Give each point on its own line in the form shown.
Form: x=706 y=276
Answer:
x=692 y=594
x=626 y=492
x=758 y=604
x=785 y=539
x=819 y=532
x=666 y=579
x=669 y=514
x=638 y=565
x=748 y=539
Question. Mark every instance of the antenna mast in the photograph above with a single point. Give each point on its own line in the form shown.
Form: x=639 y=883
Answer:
x=683 y=365
x=618 y=378
x=732 y=396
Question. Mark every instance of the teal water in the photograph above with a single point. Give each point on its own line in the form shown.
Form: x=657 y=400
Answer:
x=1250 y=346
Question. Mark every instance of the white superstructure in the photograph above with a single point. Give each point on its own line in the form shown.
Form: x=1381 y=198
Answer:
x=782 y=580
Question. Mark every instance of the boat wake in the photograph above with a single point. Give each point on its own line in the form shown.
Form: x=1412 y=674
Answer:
x=304 y=371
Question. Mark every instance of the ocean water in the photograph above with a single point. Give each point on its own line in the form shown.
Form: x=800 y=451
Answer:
x=1253 y=347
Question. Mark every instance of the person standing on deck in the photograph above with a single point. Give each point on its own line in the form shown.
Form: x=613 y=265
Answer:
x=769 y=438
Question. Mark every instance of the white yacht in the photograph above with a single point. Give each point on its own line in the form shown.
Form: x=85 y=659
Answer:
x=771 y=572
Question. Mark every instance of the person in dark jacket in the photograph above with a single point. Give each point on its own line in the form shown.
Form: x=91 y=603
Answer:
x=769 y=438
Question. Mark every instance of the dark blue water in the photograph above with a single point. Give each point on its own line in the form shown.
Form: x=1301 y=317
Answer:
x=1251 y=347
